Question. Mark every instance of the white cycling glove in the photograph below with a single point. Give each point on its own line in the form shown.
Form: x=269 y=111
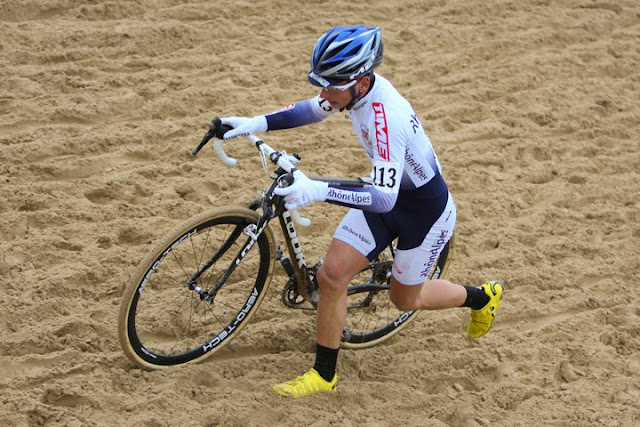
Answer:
x=244 y=125
x=303 y=191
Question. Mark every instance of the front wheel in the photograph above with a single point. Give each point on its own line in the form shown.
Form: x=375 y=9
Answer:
x=167 y=318
x=371 y=316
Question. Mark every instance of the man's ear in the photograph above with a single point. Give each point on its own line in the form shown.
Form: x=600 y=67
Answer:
x=366 y=82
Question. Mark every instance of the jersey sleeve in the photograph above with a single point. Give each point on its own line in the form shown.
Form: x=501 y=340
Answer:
x=300 y=113
x=368 y=199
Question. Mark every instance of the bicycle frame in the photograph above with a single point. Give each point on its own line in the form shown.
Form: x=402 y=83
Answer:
x=272 y=206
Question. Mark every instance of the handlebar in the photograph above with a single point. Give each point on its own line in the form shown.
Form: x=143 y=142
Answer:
x=280 y=158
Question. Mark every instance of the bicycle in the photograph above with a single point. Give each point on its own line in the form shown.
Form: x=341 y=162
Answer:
x=200 y=285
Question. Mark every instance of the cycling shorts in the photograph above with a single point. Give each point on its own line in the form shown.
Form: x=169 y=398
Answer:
x=422 y=226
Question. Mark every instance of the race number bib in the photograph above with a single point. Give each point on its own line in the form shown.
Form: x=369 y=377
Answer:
x=386 y=176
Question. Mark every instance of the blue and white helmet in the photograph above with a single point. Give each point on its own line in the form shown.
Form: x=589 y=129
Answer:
x=345 y=53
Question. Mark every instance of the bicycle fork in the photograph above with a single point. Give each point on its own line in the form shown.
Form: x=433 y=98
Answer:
x=253 y=231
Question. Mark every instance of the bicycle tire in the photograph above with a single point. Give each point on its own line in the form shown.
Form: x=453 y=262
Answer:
x=379 y=320
x=162 y=322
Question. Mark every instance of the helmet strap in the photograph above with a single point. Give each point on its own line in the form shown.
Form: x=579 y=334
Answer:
x=355 y=97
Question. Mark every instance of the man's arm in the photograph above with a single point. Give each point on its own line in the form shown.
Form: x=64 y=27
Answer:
x=301 y=113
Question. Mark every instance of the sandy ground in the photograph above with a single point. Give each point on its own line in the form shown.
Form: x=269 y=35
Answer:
x=533 y=107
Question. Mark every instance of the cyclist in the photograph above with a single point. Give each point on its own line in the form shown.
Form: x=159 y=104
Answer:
x=408 y=198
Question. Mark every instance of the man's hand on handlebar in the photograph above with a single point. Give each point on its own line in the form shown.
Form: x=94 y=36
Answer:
x=244 y=125
x=303 y=191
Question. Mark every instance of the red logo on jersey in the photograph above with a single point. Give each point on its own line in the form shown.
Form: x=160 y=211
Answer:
x=382 y=133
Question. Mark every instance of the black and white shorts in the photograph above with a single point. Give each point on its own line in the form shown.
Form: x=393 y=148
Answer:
x=423 y=228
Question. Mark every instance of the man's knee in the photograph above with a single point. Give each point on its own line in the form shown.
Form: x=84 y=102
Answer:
x=332 y=278
x=342 y=263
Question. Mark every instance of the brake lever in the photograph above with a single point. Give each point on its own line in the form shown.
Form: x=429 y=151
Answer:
x=204 y=141
x=217 y=129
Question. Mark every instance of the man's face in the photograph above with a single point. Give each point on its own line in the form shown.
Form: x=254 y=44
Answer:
x=339 y=96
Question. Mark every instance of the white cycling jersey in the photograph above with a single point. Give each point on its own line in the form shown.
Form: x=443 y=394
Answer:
x=409 y=199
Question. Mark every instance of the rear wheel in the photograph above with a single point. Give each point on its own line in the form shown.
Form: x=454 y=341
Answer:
x=167 y=318
x=371 y=316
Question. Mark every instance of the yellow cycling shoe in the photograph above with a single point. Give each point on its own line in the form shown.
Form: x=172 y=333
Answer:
x=309 y=383
x=482 y=319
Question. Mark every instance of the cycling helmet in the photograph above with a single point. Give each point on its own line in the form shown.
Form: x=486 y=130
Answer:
x=345 y=53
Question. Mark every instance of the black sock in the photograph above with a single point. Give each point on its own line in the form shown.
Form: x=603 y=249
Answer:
x=326 y=359
x=476 y=298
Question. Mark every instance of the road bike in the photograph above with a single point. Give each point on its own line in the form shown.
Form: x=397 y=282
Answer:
x=200 y=285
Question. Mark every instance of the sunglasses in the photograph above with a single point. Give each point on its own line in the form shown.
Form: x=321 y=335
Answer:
x=340 y=88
